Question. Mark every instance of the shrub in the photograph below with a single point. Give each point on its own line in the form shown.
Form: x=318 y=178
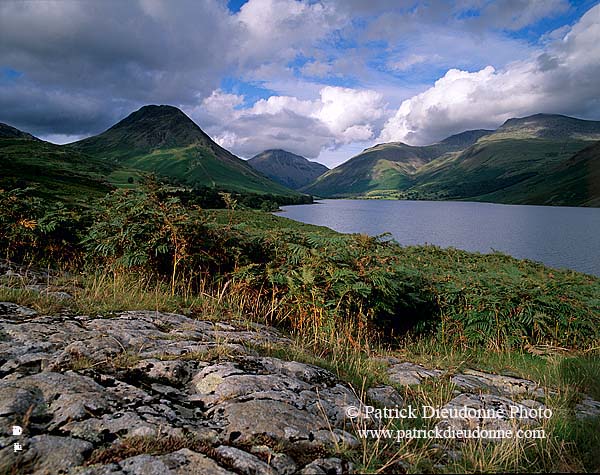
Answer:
x=139 y=229
x=32 y=229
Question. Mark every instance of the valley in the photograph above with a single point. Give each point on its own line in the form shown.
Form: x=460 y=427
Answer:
x=520 y=163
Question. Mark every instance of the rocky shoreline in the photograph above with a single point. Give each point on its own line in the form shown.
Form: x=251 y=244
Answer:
x=144 y=392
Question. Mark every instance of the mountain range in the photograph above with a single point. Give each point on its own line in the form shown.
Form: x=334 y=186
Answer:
x=287 y=168
x=541 y=159
x=158 y=140
x=530 y=160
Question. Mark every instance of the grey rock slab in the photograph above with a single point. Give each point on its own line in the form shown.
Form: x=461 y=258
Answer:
x=261 y=377
x=27 y=363
x=229 y=402
x=9 y=309
x=245 y=422
x=303 y=402
x=16 y=400
x=252 y=337
x=213 y=388
x=68 y=396
x=385 y=396
x=486 y=412
x=186 y=461
x=49 y=455
x=121 y=424
x=243 y=462
x=40 y=334
x=175 y=372
x=408 y=374
x=328 y=466
x=588 y=407
x=182 y=462
x=282 y=463
x=472 y=380
x=125 y=393
x=109 y=469
x=144 y=465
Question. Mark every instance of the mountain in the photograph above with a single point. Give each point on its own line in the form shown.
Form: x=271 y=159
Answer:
x=574 y=182
x=287 y=168
x=549 y=126
x=508 y=165
x=164 y=141
x=9 y=132
x=577 y=181
x=387 y=167
x=50 y=170
x=504 y=166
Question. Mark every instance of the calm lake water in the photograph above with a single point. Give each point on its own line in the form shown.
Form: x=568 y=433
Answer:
x=560 y=237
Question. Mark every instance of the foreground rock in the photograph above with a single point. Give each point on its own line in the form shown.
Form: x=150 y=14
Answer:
x=149 y=392
x=480 y=391
x=158 y=393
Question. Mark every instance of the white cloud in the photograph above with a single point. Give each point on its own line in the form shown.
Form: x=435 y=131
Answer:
x=343 y=108
x=339 y=116
x=561 y=78
x=277 y=104
x=410 y=61
x=317 y=69
x=280 y=29
x=332 y=157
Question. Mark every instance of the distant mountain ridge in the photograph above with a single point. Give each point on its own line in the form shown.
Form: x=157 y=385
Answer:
x=516 y=163
x=387 y=166
x=551 y=126
x=286 y=168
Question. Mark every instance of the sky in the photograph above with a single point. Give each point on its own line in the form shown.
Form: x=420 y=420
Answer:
x=323 y=79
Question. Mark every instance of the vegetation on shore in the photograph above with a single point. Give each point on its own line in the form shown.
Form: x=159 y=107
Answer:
x=343 y=298
x=321 y=277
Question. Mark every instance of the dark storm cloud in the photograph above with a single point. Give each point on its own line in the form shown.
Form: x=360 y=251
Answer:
x=44 y=112
x=85 y=64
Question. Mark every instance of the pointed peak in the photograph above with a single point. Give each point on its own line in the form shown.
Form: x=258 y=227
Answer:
x=149 y=128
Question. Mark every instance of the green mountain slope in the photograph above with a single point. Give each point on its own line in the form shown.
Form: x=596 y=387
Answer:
x=387 y=167
x=286 y=168
x=9 y=132
x=508 y=162
x=163 y=140
x=574 y=182
x=513 y=164
x=51 y=170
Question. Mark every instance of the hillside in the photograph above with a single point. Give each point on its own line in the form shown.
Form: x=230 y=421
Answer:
x=163 y=140
x=385 y=167
x=510 y=162
x=575 y=182
x=9 y=132
x=520 y=162
x=286 y=168
x=50 y=170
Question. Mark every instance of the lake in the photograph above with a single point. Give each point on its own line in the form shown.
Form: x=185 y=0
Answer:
x=561 y=237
